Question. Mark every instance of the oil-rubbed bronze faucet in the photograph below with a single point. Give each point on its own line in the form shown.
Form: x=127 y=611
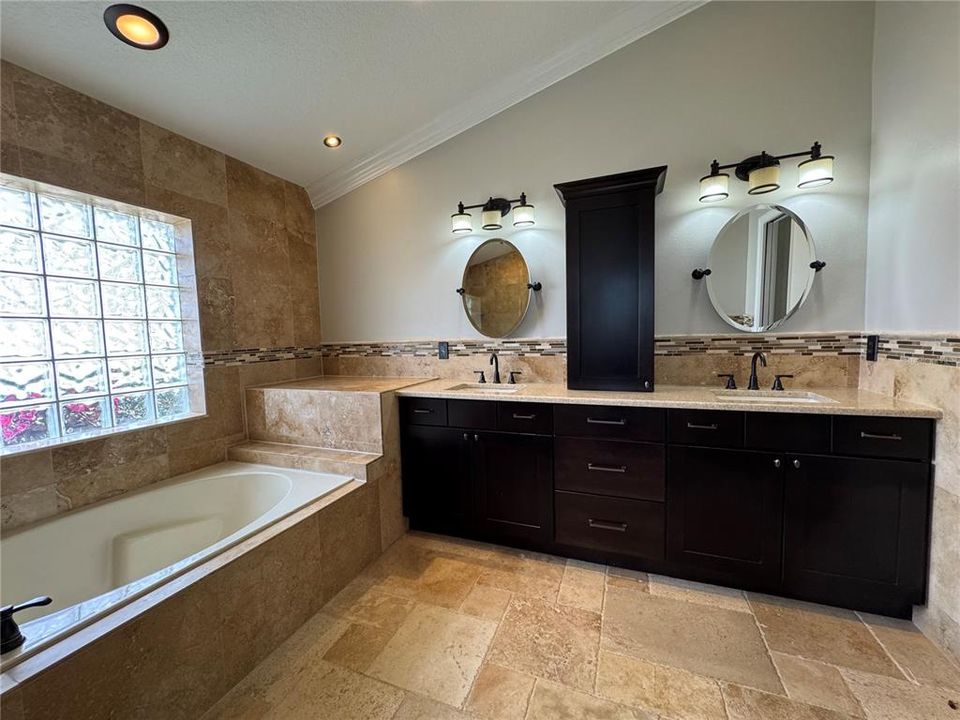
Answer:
x=10 y=636
x=495 y=361
x=753 y=384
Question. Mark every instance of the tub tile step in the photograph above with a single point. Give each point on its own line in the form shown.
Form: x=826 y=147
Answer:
x=303 y=457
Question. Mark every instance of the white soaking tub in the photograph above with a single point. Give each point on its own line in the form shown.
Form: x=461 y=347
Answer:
x=94 y=559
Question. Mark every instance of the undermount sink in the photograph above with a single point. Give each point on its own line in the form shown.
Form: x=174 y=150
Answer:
x=772 y=396
x=485 y=388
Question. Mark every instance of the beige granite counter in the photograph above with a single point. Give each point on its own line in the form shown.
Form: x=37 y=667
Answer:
x=346 y=383
x=844 y=401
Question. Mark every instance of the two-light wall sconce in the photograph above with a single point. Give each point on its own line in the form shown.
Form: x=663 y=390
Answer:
x=493 y=210
x=762 y=173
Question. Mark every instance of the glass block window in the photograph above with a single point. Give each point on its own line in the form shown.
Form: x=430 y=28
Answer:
x=94 y=312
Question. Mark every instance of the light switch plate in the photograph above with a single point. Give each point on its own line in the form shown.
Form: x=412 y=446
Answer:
x=443 y=350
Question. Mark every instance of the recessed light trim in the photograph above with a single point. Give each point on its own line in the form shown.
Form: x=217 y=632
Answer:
x=332 y=141
x=136 y=26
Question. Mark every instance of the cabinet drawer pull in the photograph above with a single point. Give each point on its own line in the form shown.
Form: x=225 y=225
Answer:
x=597 y=421
x=876 y=436
x=422 y=411
x=694 y=426
x=607 y=468
x=517 y=416
x=604 y=525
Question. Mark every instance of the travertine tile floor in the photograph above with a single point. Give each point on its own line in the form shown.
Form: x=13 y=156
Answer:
x=443 y=629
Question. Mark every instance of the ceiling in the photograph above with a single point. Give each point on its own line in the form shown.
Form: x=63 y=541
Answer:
x=265 y=81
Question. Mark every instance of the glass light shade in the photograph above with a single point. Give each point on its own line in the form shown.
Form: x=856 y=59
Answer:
x=462 y=222
x=764 y=180
x=523 y=216
x=816 y=172
x=714 y=187
x=138 y=29
x=491 y=219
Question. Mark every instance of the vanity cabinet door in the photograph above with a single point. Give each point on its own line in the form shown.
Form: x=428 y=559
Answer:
x=724 y=515
x=515 y=487
x=437 y=485
x=855 y=531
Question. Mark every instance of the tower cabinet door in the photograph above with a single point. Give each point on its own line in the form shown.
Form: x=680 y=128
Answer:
x=515 y=487
x=437 y=484
x=724 y=515
x=855 y=531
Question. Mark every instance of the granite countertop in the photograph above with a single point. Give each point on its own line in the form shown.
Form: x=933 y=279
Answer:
x=346 y=383
x=845 y=401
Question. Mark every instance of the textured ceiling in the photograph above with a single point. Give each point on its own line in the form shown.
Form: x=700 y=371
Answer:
x=265 y=81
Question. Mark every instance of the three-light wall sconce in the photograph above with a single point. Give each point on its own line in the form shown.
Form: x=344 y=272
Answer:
x=493 y=210
x=762 y=173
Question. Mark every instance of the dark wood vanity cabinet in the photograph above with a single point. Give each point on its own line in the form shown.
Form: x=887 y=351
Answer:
x=610 y=292
x=827 y=509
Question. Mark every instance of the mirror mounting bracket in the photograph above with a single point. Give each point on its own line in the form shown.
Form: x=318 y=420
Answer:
x=700 y=273
x=818 y=265
x=535 y=286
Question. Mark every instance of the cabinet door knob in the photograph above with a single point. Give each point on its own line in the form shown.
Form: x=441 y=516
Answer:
x=776 y=463
x=796 y=463
x=476 y=438
x=466 y=436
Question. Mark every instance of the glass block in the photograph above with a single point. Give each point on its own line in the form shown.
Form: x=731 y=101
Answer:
x=70 y=257
x=76 y=338
x=80 y=416
x=159 y=268
x=73 y=298
x=122 y=301
x=126 y=337
x=24 y=340
x=169 y=370
x=163 y=303
x=115 y=227
x=22 y=295
x=25 y=425
x=20 y=251
x=129 y=373
x=120 y=263
x=132 y=408
x=172 y=402
x=17 y=208
x=22 y=383
x=65 y=217
x=166 y=336
x=76 y=378
x=158 y=235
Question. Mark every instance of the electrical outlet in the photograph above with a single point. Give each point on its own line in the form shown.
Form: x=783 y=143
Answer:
x=443 y=350
x=873 y=347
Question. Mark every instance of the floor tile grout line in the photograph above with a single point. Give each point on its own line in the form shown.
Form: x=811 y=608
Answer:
x=904 y=671
x=766 y=644
x=486 y=653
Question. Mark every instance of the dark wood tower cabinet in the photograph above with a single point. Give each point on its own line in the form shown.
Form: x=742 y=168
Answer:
x=610 y=281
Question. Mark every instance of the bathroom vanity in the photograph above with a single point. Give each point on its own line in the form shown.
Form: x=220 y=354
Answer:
x=825 y=500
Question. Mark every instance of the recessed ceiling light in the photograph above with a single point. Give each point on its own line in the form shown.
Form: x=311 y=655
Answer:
x=332 y=141
x=136 y=27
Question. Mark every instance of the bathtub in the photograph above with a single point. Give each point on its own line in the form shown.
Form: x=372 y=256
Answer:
x=95 y=559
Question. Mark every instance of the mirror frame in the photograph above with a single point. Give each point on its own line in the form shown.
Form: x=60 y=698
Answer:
x=810 y=278
x=463 y=284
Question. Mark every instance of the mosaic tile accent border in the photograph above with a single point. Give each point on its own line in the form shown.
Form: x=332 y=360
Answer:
x=941 y=350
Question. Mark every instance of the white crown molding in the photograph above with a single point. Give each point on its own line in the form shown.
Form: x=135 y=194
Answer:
x=623 y=29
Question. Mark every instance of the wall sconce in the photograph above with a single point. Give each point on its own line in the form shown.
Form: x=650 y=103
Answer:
x=492 y=211
x=762 y=174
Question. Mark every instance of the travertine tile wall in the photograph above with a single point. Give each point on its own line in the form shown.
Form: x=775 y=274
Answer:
x=938 y=385
x=255 y=249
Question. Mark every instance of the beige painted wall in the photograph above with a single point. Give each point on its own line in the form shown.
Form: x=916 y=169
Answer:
x=770 y=82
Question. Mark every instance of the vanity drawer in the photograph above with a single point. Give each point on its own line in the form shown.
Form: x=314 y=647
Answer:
x=627 y=527
x=525 y=417
x=787 y=432
x=908 y=438
x=707 y=428
x=614 y=423
x=473 y=414
x=610 y=467
x=423 y=411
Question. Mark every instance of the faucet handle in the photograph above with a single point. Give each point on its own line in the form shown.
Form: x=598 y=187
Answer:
x=511 y=380
x=482 y=378
x=777 y=385
x=10 y=636
x=731 y=380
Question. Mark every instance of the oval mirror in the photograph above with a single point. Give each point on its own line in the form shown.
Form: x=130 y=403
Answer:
x=495 y=288
x=760 y=268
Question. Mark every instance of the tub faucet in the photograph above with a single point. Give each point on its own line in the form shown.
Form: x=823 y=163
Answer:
x=495 y=361
x=10 y=636
x=753 y=384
